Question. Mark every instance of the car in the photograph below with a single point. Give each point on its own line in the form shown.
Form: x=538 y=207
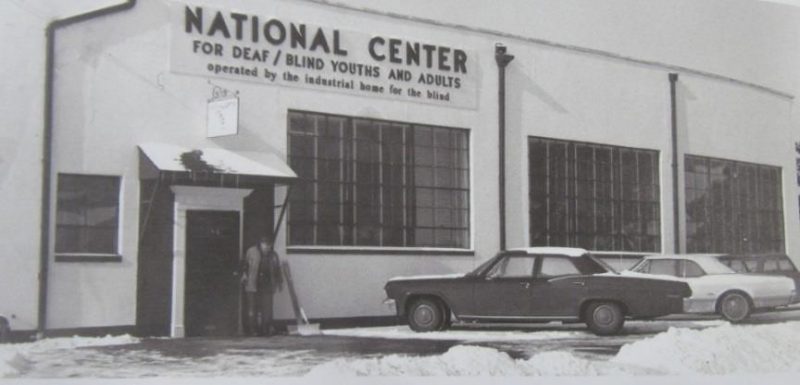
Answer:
x=716 y=288
x=5 y=329
x=538 y=284
x=769 y=264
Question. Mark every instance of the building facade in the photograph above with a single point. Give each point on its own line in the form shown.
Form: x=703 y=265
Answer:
x=178 y=125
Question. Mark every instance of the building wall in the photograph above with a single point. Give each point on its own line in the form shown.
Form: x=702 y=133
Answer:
x=20 y=164
x=114 y=89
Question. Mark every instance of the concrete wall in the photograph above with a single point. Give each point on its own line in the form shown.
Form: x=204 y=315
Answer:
x=114 y=89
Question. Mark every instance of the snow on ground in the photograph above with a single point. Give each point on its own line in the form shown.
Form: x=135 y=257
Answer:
x=404 y=332
x=13 y=357
x=470 y=333
x=724 y=349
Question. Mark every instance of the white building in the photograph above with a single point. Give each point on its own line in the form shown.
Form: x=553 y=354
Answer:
x=176 y=124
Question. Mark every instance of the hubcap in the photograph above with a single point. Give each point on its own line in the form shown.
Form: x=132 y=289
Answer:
x=734 y=307
x=423 y=315
x=603 y=315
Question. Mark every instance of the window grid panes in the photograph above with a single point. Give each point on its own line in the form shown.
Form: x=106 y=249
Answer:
x=598 y=197
x=366 y=182
x=87 y=214
x=733 y=207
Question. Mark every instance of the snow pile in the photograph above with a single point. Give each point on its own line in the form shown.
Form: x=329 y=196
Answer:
x=459 y=360
x=405 y=333
x=468 y=361
x=725 y=349
x=14 y=357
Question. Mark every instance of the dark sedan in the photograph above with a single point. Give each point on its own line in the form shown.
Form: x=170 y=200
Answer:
x=537 y=284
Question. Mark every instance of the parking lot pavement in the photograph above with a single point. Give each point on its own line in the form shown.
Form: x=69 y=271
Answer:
x=297 y=355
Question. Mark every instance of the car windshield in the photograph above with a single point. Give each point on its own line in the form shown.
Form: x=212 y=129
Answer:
x=482 y=266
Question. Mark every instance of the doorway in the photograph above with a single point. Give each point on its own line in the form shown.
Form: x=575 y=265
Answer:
x=212 y=285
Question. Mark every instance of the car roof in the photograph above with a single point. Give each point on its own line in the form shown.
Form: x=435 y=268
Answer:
x=568 y=251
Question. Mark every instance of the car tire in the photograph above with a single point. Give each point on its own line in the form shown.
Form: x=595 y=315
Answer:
x=425 y=315
x=604 y=318
x=734 y=307
x=448 y=318
x=5 y=330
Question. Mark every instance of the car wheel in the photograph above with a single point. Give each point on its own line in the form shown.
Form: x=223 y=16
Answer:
x=604 y=318
x=734 y=307
x=447 y=321
x=425 y=315
x=5 y=330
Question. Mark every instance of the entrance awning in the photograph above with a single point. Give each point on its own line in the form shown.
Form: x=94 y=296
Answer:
x=217 y=162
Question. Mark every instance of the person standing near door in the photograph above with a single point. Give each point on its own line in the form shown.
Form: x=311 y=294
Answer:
x=261 y=277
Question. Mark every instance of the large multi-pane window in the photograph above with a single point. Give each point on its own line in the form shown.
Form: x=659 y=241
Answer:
x=87 y=214
x=597 y=197
x=733 y=207
x=366 y=182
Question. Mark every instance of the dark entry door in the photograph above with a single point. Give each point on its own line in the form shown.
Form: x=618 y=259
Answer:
x=212 y=288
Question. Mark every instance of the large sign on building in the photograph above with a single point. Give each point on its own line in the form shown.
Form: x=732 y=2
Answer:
x=275 y=51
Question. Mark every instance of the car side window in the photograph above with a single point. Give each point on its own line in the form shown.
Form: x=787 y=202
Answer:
x=692 y=270
x=664 y=267
x=556 y=267
x=737 y=265
x=771 y=265
x=513 y=267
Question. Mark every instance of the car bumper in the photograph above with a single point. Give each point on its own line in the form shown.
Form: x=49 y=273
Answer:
x=391 y=304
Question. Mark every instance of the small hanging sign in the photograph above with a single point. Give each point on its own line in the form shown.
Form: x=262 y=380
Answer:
x=223 y=117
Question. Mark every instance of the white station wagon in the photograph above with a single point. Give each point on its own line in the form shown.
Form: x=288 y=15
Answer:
x=716 y=288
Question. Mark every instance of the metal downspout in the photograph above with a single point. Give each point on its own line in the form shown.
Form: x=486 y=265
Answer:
x=502 y=59
x=47 y=148
x=673 y=80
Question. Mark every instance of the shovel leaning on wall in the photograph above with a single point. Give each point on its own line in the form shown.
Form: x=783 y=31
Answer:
x=303 y=327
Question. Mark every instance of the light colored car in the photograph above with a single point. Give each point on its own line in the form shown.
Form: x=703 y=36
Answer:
x=716 y=288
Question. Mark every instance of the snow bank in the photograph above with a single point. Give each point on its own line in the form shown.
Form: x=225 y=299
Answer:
x=405 y=333
x=471 y=361
x=14 y=357
x=725 y=349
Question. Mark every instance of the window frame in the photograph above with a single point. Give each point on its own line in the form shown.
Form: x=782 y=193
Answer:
x=610 y=189
x=84 y=256
x=348 y=243
x=733 y=218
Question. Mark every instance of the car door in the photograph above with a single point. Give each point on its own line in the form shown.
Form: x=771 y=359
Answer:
x=558 y=287
x=504 y=291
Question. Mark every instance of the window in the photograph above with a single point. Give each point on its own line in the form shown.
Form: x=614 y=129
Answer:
x=691 y=270
x=664 y=267
x=557 y=266
x=367 y=182
x=513 y=267
x=733 y=207
x=596 y=197
x=785 y=264
x=87 y=216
